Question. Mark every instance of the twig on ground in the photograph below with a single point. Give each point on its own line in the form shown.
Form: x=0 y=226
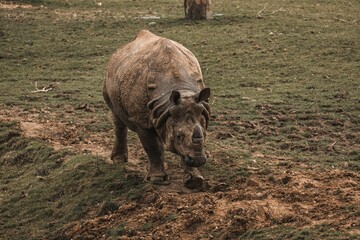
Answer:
x=273 y=12
x=339 y=19
x=262 y=10
x=331 y=147
x=342 y=20
x=279 y=10
x=44 y=89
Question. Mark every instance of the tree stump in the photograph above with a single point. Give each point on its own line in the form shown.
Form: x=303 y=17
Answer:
x=197 y=9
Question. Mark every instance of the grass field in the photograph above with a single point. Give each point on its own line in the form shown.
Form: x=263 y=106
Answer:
x=284 y=138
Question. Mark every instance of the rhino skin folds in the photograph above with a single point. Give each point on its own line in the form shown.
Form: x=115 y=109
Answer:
x=154 y=87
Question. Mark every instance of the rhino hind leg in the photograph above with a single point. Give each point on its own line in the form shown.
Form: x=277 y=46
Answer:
x=119 y=153
x=155 y=152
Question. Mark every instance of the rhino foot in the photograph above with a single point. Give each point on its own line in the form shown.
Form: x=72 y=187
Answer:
x=193 y=181
x=157 y=177
x=192 y=177
x=159 y=180
x=119 y=158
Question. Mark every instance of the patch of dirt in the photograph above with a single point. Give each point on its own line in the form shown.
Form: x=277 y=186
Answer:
x=287 y=194
x=258 y=203
x=61 y=135
x=10 y=5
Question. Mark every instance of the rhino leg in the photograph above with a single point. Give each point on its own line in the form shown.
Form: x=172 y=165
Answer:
x=120 y=151
x=192 y=177
x=155 y=152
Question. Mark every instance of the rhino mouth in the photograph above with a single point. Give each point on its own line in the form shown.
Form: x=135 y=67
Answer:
x=197 y=161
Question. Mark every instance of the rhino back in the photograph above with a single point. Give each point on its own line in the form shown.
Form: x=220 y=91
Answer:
x=148 y=68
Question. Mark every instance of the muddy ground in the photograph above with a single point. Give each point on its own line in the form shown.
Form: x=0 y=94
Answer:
x=318 y=202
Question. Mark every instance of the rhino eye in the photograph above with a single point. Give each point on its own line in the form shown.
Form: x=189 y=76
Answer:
x=179 y=136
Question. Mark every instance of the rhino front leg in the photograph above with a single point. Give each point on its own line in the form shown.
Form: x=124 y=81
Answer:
x=120 y=151
x=155 y=152
x=192 y=177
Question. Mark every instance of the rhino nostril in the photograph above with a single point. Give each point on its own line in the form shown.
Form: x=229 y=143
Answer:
x=197 y=140
x=189 y=161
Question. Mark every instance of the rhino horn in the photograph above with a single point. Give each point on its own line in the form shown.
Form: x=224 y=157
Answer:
x=197 y=134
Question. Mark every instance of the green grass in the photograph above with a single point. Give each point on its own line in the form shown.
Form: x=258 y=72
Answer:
x=316 y=232
x=40 y=193
x=284 y=84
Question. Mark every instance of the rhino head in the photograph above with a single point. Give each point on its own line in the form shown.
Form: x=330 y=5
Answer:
x=183 y=126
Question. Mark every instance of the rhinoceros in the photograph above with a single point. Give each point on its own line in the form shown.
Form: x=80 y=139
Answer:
x=154 y=87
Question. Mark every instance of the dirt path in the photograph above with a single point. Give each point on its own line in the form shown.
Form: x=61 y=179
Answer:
x=11 y=6
x=59 y=134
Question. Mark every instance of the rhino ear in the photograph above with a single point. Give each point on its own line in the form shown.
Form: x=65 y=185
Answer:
x=175 y=97
x=203 y=95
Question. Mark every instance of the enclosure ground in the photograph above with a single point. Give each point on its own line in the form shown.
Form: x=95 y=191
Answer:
x=283 y=141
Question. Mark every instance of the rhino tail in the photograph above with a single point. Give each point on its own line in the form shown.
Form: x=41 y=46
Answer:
x=106 y=97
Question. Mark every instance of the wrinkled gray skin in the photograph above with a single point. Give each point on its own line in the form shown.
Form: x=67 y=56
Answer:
x=154 y=87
